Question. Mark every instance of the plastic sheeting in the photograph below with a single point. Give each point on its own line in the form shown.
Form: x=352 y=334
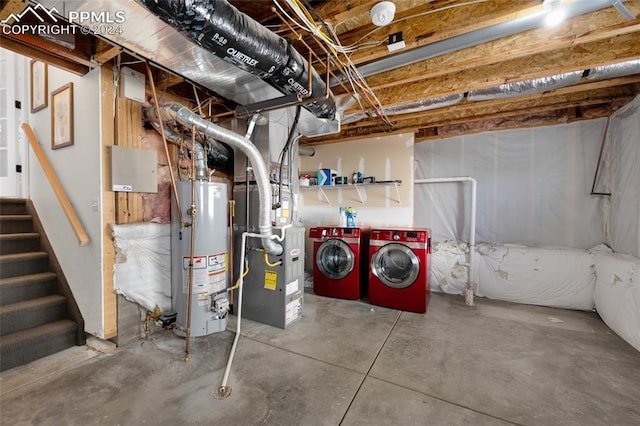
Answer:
x=142 y=272
x=617 y=294
x=533 y=186
x=555 y=277
x=623 y=169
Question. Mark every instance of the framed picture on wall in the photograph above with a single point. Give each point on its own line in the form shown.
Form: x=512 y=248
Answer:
x=39 y=81
x=62 y=116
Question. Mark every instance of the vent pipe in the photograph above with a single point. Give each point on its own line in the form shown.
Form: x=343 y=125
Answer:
x=236 y=38
x=185 y=117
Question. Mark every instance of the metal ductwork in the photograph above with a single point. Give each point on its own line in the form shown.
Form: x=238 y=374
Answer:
x=239 y=40
x=527 y=87
x=409 y=107
x=476 y=37
x=188 y=119
x=621 y=69
x=218 y=156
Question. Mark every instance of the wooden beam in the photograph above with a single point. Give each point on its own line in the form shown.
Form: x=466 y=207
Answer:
x=436 y=21
x=43 y=56
x=598 y=26
x=109 y=298
x=582 y=57
x=104 y=51
x=41 y=43
x=57 y=187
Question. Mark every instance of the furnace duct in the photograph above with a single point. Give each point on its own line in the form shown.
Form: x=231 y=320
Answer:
x=409 y=107
x=528 y=87
x=185 y=117
x=219 y=154
x=621 y=69
x=239 y=40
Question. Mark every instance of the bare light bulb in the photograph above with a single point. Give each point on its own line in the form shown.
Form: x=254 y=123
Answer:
x=555 y=13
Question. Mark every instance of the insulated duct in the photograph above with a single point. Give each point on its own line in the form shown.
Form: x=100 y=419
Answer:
x=409 y=107
x=239 y=40
x=218 y=154
x=185 y=117
x=621 y=69
x=528 y=87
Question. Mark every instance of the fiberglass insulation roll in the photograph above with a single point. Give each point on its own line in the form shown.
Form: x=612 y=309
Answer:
x=617 y=294
x=555 y=277
x=448 y=273
x=142 y=272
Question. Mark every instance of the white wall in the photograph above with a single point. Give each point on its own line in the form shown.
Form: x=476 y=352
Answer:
x=623 y=167
x=79 y=170
x=533 y=186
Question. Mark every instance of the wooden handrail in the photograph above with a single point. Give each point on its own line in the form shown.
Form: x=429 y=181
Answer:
x=83 y=238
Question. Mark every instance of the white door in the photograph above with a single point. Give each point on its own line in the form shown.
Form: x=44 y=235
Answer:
x=8 y=132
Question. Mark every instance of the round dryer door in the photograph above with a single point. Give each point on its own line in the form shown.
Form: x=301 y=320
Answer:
x=335 y=259
x=395 y=265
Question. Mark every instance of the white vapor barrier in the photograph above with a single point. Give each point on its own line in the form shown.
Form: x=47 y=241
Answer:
x=448 y=273
x=623 y=146
x=533 y=186
x=143 y=264
x=555 y=277
x=617 y=294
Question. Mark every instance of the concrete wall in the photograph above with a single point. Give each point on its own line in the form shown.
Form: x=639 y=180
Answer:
x=79 y=170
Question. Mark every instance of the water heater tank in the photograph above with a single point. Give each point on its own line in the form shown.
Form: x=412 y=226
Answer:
x=210 y=297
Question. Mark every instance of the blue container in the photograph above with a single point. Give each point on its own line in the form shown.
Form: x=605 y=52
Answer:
x=324 y=177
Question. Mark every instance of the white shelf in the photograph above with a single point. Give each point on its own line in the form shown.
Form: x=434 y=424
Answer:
x=356 y=186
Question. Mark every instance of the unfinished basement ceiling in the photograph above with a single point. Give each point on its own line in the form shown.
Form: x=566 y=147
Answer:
x=428 y=97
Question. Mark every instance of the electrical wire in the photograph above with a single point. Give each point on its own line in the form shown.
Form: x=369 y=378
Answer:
x=341 y=54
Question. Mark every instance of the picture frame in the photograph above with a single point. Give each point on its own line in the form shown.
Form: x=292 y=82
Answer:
x=38 y=73
x=62 y=116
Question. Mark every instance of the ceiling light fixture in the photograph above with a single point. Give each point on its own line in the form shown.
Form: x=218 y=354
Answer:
x=556 y=14
x=382 y=13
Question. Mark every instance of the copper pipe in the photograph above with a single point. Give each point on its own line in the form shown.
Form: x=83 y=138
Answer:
x=166 y=146
x=232 y=204
x=192 y=213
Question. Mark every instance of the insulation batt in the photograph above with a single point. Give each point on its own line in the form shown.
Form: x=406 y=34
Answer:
x=617 y=294
x=555 y=277
x=142 y=272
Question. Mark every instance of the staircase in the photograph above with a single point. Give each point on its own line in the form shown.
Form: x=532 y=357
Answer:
x=38 y=315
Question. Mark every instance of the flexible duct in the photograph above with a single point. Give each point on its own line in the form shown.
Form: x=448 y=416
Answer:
x=188 y=119
x=528 y=87
x=236 y=38
x=409 y=107
x=621 y=69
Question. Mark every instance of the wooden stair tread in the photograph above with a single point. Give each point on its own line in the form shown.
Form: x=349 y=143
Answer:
x=23 y=256
x=32 y=304
x=63 y=325
x=42 y=276
x=19 y=236
x=15 y=217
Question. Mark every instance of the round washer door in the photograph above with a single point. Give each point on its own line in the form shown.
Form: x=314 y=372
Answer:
x=395 y=265
x=335 y=259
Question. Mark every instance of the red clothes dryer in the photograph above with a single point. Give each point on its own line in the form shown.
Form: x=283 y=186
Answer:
x=340 y=261
x=399 y=268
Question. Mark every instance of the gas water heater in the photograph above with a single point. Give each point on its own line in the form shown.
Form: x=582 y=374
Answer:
x=209 y=260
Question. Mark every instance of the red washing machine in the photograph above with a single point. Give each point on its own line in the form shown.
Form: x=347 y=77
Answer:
x=340 y=261
x=399 y=268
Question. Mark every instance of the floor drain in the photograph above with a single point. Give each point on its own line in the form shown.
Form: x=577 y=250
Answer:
x=223 y=392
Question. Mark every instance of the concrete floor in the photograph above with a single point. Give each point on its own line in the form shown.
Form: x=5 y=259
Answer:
x=350 y=363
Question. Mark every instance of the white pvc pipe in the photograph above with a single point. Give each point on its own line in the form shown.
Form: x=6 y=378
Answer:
x=468 y=292
x=223 y=390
